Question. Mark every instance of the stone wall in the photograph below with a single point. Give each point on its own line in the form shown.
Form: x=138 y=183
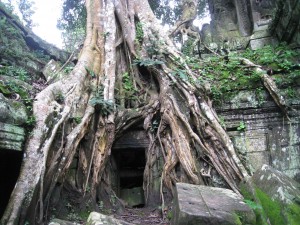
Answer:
x=272 y=21
x=268 y=138
x=23 y=55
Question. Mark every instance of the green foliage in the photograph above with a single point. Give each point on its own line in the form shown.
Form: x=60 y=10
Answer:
x=14 y=50
x=271 y=208
x=293 y=214
x=12 y=43
x=68 y=69
x=77 y=119
x=13 y=87
x=128 y=84
x=155 y=48
x=188 y=47
x=169 y=215
x=242 y=126
x=41 y=55
x=4 y=89
x=253 y=205
x=280 y=58
x=59 y=97
x=113 y=200
x=73 y=23
x=290 y=92
x=147 y=62
x=90 y=72
x=139 y=32
x=259 y=95
x=30 y=122
x=154 y=126
x=14 y=71
x=269 y=211
x=31 y=119
x=26 y=8
x=217 y=94
x=104 y=107
x=72 y=216
x=227 y=75
x=181 y=74
x=7 y=6
x=169 y=12
x=101 y=205
x=84 y=215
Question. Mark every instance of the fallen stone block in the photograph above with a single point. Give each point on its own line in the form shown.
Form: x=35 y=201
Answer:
x=198 y=204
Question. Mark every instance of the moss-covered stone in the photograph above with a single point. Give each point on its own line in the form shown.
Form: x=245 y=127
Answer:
x=12 y=112
x=272 y=208
x=133 y=196
x=269 y=207
x=11 y=137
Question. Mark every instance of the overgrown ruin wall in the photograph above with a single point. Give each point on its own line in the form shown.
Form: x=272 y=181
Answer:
x=271 y=22
x=268 y=137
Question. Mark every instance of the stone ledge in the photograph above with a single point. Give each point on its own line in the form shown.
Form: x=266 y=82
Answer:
x=11 y=137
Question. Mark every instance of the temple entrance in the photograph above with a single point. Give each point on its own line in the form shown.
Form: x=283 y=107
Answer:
x=128 y=162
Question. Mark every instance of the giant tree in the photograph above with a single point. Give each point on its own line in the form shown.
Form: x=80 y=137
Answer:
x=122 y=38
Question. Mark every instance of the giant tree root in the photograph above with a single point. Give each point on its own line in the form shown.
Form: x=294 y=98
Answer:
x=270 y=85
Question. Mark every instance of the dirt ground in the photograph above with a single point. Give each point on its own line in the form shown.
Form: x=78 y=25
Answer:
x=143 y=216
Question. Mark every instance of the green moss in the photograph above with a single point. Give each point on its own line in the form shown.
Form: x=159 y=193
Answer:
x=84 y=215
x=253 y=200
x=292 y=213
x=237 y=220
x=271 y=208
x=228 y=76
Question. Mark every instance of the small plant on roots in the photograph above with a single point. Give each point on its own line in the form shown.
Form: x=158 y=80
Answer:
x=105 y=107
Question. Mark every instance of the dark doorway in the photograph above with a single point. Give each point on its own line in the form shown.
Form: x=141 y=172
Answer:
x=10 y=163
x=129 y=161
x=131 y=165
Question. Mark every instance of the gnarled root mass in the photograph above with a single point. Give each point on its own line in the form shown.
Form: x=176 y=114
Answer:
x=121 y=79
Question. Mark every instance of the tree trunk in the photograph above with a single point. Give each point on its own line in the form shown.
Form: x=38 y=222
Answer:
x=189 y=136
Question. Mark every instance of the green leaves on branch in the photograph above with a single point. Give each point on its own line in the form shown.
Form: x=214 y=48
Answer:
x=127 y=83
x=90 y=72
x=104 y=107
x=139 y=32
x=181 y=74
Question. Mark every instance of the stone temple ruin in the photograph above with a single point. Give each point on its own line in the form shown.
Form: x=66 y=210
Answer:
x=270 y=139
x=235 y=28
x=128 y=163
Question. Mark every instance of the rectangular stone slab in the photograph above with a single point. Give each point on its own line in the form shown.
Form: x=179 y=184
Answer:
x=198 y=204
